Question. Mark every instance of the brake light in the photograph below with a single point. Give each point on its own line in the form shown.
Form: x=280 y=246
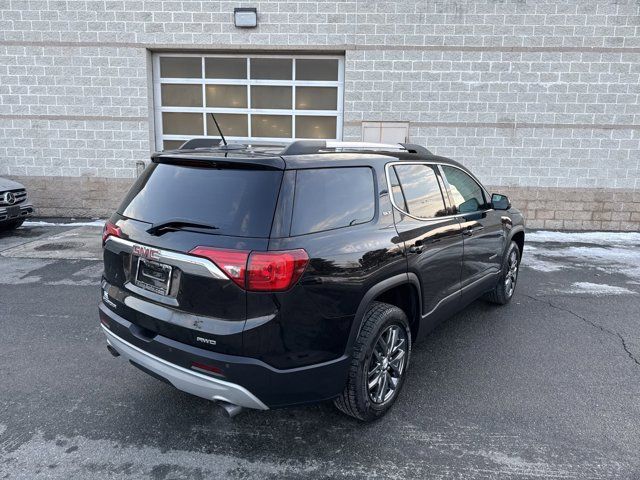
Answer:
x=275 y=271
x=258 y=271
x=110 y=230
x=231 y=262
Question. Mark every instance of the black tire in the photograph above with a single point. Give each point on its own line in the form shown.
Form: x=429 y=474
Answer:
x=380 y=322
x=11 y=225
x=504 y=290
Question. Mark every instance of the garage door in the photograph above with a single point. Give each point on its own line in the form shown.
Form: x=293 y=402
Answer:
x=265 y=98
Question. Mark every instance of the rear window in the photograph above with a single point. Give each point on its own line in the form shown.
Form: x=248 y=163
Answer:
x=329 y=198
x=239 y=202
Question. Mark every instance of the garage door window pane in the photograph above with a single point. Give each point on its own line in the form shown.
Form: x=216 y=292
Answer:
x=174 y=123
x=315 y=127
x=232 y=125
x=218 y=67
x=278 y=126
x=181 y=95
x=316 y=69
x=271 y=68
x=181 y=67
x=254 y=96
x=316 y=98
x=271 y=97
x=227 y=96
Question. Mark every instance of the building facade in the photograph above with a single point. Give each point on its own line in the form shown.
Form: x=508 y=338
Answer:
x=539 y=98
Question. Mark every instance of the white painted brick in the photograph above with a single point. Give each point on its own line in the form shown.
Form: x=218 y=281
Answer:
x=382 y=84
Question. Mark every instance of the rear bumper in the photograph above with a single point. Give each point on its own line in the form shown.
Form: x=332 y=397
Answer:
x=183 y=379
x=247 y=381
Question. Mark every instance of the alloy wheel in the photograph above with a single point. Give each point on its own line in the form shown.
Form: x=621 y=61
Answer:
x=387 y=363
x=512 y=273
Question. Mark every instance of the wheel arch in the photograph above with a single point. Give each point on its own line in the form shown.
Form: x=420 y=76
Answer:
x=392 y=290
x=517 y=235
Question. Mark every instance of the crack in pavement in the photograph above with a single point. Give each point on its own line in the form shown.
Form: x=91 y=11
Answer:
x=589 y=322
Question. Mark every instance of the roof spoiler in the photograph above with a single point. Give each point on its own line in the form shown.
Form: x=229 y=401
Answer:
x=210 y=143
x=306 y=147
x=200 y=143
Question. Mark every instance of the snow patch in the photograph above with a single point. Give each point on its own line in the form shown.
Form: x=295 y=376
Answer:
x=94 y=223
x=597 y=289
x=598 y=238
x=607 y=252
x=536 y=263
x=517 y=465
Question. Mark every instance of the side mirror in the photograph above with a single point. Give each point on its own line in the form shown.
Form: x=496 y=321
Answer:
x=500 y=202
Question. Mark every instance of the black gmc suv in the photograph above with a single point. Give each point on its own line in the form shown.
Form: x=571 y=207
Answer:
x=262 y=277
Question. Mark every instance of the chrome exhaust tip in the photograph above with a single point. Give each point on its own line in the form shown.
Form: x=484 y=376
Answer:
x=112 y=350
x=231 y=409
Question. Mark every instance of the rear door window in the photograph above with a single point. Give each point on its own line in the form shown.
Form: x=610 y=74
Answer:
x=416 y=187
x=396 y=190
x=328 y=198
x=237 y=202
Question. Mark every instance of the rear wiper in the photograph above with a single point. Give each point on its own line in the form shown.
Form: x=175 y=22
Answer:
x=177 y=224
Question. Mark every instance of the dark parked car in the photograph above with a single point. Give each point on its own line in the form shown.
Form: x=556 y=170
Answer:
x=15 y=206
x=265 y=278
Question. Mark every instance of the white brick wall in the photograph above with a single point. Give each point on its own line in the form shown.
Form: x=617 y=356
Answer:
x=72 y=148
x=537 y=93
x=521 y=87
x=549 y=119
x=402 y=22
x=82 y=81
x=542 y=157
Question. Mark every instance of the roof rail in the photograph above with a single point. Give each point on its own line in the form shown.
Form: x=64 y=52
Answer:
x=305 y=147
x=414 y=148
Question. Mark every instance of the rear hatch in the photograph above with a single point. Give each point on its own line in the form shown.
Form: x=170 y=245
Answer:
x=156 y=275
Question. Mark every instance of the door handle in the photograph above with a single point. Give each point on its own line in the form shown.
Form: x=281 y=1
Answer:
x=471 y=230
x=416 y=247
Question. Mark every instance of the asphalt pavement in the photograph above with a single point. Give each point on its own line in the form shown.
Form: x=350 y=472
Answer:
x=546 y=387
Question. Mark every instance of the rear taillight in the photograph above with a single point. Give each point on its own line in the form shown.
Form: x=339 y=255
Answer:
x=231 y=262
x=258 y=271
x=275 y=271
x=110 y=230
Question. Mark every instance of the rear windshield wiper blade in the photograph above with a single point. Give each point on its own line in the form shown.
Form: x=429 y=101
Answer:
x=178 y=224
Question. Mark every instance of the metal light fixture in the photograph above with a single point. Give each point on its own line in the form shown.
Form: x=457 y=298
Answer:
x=245 y=17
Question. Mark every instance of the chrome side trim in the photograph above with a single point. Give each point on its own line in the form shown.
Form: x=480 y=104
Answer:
x=184 y=379
x=186 y=263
